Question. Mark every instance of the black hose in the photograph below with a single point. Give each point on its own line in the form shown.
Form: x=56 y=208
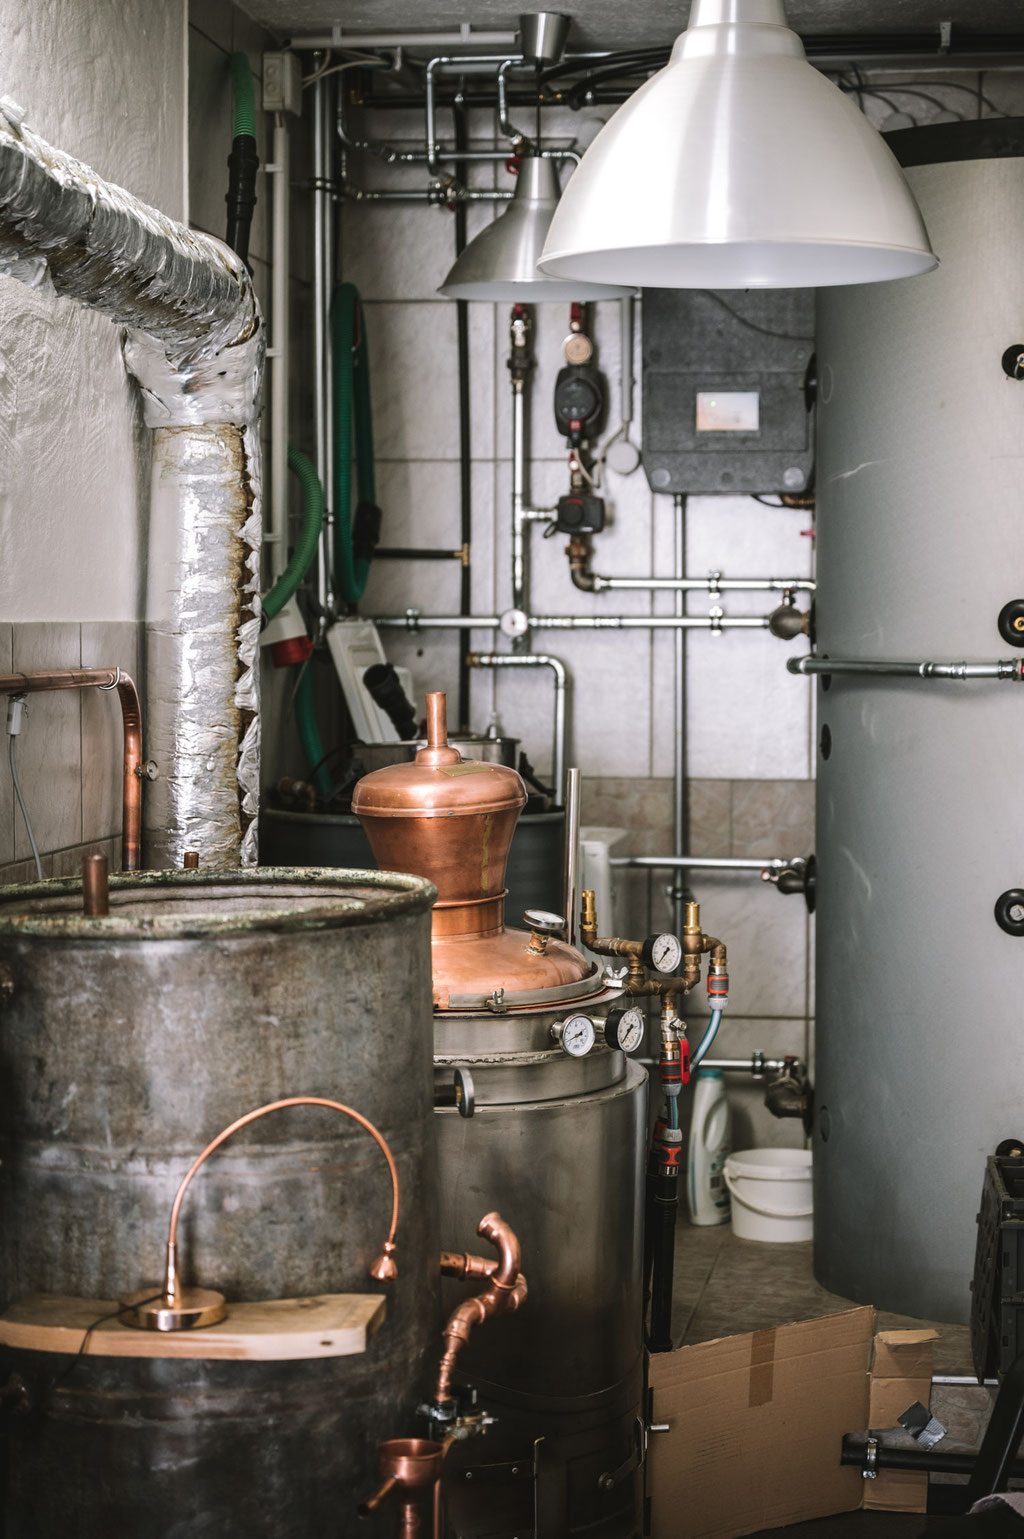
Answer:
x=244 y=160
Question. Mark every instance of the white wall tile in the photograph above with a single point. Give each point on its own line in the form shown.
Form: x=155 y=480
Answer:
x=766 y=936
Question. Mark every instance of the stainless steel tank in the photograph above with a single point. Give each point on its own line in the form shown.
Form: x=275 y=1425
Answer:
x=555 y=1143
x=920 y=827
x=126 y=1043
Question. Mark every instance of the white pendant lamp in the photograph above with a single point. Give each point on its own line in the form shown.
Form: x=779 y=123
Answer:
x=501 y=263
x=737 y=166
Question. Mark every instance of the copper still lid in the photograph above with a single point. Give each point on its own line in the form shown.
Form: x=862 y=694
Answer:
x=452 y=821
x=439 y=783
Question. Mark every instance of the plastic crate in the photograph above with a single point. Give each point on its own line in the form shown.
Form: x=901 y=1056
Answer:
x=997 y=1303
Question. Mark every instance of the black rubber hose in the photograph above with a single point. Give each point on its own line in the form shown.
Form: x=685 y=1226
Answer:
x=244 y=161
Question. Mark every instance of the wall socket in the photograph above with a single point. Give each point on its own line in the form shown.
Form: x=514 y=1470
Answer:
x=282 y=82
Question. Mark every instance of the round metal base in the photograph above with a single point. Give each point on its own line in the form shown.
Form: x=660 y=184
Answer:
x=190 y=1309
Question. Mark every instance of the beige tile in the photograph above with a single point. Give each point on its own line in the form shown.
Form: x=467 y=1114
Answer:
x=49 y=752
x=766 y=936
x=772 y=817
x=709 y=810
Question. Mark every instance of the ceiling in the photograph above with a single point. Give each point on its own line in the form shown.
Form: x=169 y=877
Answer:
x=610 y=24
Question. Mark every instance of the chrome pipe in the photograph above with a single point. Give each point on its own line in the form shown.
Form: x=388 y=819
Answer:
x=504 y=126
x=321 y=350
x=572 y=854
x=679 y=830
x=278 y=353
x=518 y=483
x=412 y=620
x=706 y=862
x=558 y=668
x=436 y=64
x=347 y=193
x=1002 y=668
x=710 y=584
x=357 y=41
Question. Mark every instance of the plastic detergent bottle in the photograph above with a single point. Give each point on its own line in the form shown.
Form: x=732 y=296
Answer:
x=709 y=1145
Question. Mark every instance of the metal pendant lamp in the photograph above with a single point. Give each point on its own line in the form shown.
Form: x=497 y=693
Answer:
x=501 y=263
x=737 y=166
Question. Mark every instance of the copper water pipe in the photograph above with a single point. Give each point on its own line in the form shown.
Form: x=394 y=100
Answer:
x=382 y=1270
x=131 y=722
x=505 y=1291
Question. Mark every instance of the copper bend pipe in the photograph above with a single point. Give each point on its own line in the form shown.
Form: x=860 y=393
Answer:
x=506 y=1289
x=131 y=723
x=382 y=1270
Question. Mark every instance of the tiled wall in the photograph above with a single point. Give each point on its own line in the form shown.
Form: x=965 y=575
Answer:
x=69 y=752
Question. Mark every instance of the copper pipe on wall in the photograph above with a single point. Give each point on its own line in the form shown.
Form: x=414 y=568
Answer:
x=506 y=1290
x=131 y=722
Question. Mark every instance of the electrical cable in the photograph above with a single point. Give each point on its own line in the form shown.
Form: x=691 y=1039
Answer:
x=15 y=710
x=952 y=85
x=737 y=315
x=361 y=61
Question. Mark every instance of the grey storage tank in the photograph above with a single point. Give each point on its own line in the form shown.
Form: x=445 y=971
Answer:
x=919 y=1068
x=126 y=1044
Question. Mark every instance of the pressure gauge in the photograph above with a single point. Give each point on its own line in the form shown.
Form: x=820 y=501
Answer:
x=544 y=922
x=574 y=1035
x=624 y=1028
x=663 y=952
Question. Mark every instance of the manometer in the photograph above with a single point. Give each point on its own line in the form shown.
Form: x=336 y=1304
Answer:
x=544 y=922
x=663 y=952
x=574 y=1035
x=624 y=1028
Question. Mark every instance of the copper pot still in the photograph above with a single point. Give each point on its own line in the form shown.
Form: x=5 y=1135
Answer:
x=451 y=820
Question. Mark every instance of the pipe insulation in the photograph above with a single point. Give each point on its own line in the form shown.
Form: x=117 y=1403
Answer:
x=195 y=345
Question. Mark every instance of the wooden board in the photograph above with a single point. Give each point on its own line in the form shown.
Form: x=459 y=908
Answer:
x=329 y=1325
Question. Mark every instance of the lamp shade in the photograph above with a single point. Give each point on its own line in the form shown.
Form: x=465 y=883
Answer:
x=501 y=263
x=737 y=166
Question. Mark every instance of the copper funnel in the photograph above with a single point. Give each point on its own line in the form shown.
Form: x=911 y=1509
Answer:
x=451 y=820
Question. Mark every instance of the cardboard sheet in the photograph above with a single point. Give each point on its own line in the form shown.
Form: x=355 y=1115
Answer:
x=756 y=1426
x=900 y=1374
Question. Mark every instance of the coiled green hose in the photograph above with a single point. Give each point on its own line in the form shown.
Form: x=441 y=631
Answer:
x=309 y=538
x=243 y=96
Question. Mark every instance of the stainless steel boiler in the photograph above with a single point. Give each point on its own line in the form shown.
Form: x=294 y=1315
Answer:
x=555 y=1140
x=919 y=1069
x=126 y=1043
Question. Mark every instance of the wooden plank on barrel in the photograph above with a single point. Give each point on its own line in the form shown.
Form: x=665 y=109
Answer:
x=327 y=1325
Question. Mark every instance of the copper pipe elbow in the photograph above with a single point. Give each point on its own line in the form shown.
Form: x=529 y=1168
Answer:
x=503 y=1293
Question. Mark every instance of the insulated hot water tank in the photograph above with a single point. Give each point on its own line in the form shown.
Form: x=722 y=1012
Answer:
x=919 y=1069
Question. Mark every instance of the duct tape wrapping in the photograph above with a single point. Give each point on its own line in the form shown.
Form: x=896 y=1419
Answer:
x=202 y=635
x=114 y=253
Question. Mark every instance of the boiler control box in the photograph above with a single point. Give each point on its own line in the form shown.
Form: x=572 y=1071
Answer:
x=727 y=390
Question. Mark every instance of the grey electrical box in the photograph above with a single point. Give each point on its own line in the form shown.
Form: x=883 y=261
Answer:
x=726 y=403
x=282 y=82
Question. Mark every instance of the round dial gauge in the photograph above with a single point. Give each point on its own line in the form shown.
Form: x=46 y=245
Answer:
x=543 y=921
x=663 y=952
x=624 y=1028
x=574 y=1035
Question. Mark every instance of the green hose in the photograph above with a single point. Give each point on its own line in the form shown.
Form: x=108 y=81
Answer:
x=309 y=733
x=309 y=538
x=354 y=539
x=243 y=96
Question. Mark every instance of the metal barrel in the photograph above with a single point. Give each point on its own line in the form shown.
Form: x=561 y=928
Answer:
x=126 y=1044
x=918 y=1072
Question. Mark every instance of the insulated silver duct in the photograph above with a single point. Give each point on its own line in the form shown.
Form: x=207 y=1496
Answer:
x=195 y=346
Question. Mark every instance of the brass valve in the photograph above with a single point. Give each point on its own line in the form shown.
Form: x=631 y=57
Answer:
x=688 y=949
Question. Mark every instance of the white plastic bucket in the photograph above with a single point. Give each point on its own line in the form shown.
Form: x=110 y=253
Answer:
x=771 y=1194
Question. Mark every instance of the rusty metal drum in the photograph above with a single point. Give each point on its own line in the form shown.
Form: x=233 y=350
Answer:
x=126 y=1043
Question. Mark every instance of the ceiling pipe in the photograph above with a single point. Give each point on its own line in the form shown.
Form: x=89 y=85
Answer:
x=195 y=348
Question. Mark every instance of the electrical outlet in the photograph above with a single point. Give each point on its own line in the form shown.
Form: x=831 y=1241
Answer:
x=282 y=82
